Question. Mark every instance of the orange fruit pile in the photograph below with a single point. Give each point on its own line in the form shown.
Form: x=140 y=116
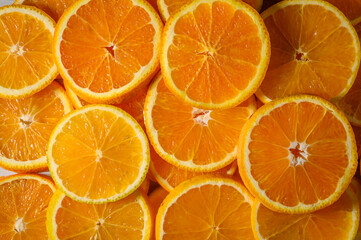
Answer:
x=196 y=120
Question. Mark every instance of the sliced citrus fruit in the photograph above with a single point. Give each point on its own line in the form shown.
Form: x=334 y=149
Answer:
x=26 y=125
x=297 y=154
x=315 y=50
x=169 y=176
x=26 y=60
x=156 y=198
x=351 y=9
x=214 y=53
x=206 y=208
x=355 y=186
x=192 y=138
x=128 y=218
x=55 y=8
x=102 y=144
x=350 y=104
x=24 y=199
x=104 y=49
x=169 y=7
x=338 y=221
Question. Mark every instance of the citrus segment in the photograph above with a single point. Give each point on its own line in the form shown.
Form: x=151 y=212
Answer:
x=169 y=176
x=297 y=154
x=26 y=60
x=102 y=144
x=104 y=49
x=350 y=104
x=55 y=8
x=128 y=218
x=351 y=9
x=24 y=199
x=169 y=7
x=214 y=53
x=206 y=208
x=338 y=221
x=315 y=50
x=192 y=138
x=26 y=125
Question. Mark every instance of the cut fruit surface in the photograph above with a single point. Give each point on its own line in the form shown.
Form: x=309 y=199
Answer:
x=104 y=49
x=351 y=9
x=315 y=50
x=169 y=7
x=102 y=144
x=24 y=199
x=26 y=60
x=355 y=186
x=192 y=138
x=169 y=176
x=206 y=208
x=350 y=104
x=338 y=221
x=26 y=125
x=297 y=154
x=125 y=219
x=55 y=8
x=214 y=53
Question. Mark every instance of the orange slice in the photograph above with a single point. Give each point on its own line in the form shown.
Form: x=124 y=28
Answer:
x=26 y=125
x=355 y=186
x=206 y=208
x=192 y=138
x=104 y=49
x=169 y=7
x=102 y=144
x=351 y=9
x=156 y=198
x=214 y=53
x=55 y=8
x=24 y=199
x=169 y=176
x=315 y=50
x=297 y=154
x=338 y=221
x=350 y=104
x=26 y=60
x=128 y=218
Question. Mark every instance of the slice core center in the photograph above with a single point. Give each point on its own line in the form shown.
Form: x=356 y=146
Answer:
x=19 y=225
x=201 y=116
x=298 y=153
x=110 y=50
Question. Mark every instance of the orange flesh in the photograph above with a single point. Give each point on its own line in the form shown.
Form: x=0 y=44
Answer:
x=23 y=209
x=55 y=8
x=351 y=103
x=104 y=149
x=102 y=53
x=123 y=219
x=25 y=50
x=351 y=8
x=215 y=52
x=209 y=212
x=311 y=53
x=298 y=153
x=334 y=222
x=26 y=124
x=202 y=136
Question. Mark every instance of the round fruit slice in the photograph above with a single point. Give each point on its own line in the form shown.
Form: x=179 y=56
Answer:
x=26 y=60
x=55 y=8
x=214 y=53
x=105 y=146
x=128 y=218
x=315 y=50
x=104 y=49
x=355 y=186
x=192 y=138
x=351 y=9
x=206 y=208
x=350 y=104
x=169 y=7
x=297 y=154
x=169 y=176
x=338 y=221
x=24 y=199
x=26 y=125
